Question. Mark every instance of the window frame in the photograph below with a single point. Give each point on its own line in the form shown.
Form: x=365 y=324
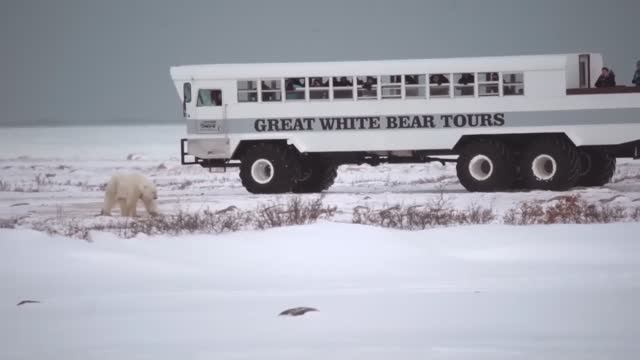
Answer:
x=486 y=83
x=391 y=85
x=200 y=105
x=327 y=88
x=448 y=86
x=247 y=91
x=376 y=85
x=303 y=90
x=456 y=77
x=515 y=84
x=342 y=88
x=418 y=86
x=274 y=91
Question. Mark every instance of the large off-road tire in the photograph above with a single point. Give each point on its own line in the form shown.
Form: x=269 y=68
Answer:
x=550 y=163
x=268 y=168
x=486 y=165
x=598 y=167
x=317 y=175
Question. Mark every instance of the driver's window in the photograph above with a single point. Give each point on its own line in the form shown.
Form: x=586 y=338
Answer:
x=209 y=97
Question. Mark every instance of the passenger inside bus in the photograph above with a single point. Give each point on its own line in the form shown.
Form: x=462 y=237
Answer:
x=438 y=79
x=317 y=82
x=606 y=79
x=342 y=81
x=411 y=79
x=636 y=76
x=466 y=79
x=368 y=83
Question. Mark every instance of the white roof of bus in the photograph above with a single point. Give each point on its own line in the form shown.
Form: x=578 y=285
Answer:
x=371 y=67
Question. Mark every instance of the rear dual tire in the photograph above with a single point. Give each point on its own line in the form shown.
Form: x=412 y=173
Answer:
x=546 y=163
x=550 y=163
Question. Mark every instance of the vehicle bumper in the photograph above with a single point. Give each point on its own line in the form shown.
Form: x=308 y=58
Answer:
x=206 y=152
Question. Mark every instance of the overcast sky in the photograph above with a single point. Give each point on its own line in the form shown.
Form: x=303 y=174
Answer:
x=90 y=61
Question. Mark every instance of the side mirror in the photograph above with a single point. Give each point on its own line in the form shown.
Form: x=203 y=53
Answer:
x=186 y=97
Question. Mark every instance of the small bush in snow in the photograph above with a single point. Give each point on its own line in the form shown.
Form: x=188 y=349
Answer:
x=419 y=217
x=570 y=209
x=8 y=223
x=295 y=212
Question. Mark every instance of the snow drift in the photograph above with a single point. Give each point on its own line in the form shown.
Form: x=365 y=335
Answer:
x=476 y=292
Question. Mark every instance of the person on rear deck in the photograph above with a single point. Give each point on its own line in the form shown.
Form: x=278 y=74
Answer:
x=636 y=76
x=606 y=79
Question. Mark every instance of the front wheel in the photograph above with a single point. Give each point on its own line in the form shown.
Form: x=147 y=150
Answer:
x=317 y=175
x=486 y=165
x=269 y=169
x=550 y=164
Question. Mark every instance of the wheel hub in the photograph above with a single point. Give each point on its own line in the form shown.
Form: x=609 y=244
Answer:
x=481 y=167
x=544 y=167
x=262 y=171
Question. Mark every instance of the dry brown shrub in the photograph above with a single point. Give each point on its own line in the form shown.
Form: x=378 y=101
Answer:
x=566 y=209
x=295 y=212
x=419 y=217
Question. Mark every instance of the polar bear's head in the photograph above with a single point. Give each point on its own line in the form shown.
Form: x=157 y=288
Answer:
x=148 y=192
x=149 y=195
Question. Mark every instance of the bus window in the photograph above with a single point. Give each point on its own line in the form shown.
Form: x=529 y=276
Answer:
x=319 y=88
x=391 y=86
x=209 y=97
x=415 y=86
x=294 y=88
x=464 y=84
x=271 y=90
x=367 y=87
x=513 y=84
x=488 y=84
x=438 y=85
x=343 y=87
x=247 y=90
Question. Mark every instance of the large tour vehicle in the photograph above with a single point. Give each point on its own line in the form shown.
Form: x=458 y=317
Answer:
x=514 y=122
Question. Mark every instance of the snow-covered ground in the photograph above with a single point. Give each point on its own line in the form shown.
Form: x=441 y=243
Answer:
x=473 y=292
x=478 y=292
x=54 y=172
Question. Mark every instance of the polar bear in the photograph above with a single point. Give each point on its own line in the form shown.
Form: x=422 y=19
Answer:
x=126 y=189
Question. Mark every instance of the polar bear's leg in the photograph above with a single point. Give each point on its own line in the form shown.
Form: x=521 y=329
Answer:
x=132 y=202
x=109 y=202
x=109 y=197
x=123 y=207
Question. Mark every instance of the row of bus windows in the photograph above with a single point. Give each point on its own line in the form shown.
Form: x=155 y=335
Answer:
x=384 y=87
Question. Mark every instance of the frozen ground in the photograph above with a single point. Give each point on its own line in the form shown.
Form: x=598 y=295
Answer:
x=54 y=172
x=478 y=292
x=475 y=292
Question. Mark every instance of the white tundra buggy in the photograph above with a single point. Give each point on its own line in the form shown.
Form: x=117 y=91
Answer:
x=514 y=122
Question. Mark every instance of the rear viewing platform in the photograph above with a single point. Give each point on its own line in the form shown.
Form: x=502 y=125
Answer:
x=620 y=89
